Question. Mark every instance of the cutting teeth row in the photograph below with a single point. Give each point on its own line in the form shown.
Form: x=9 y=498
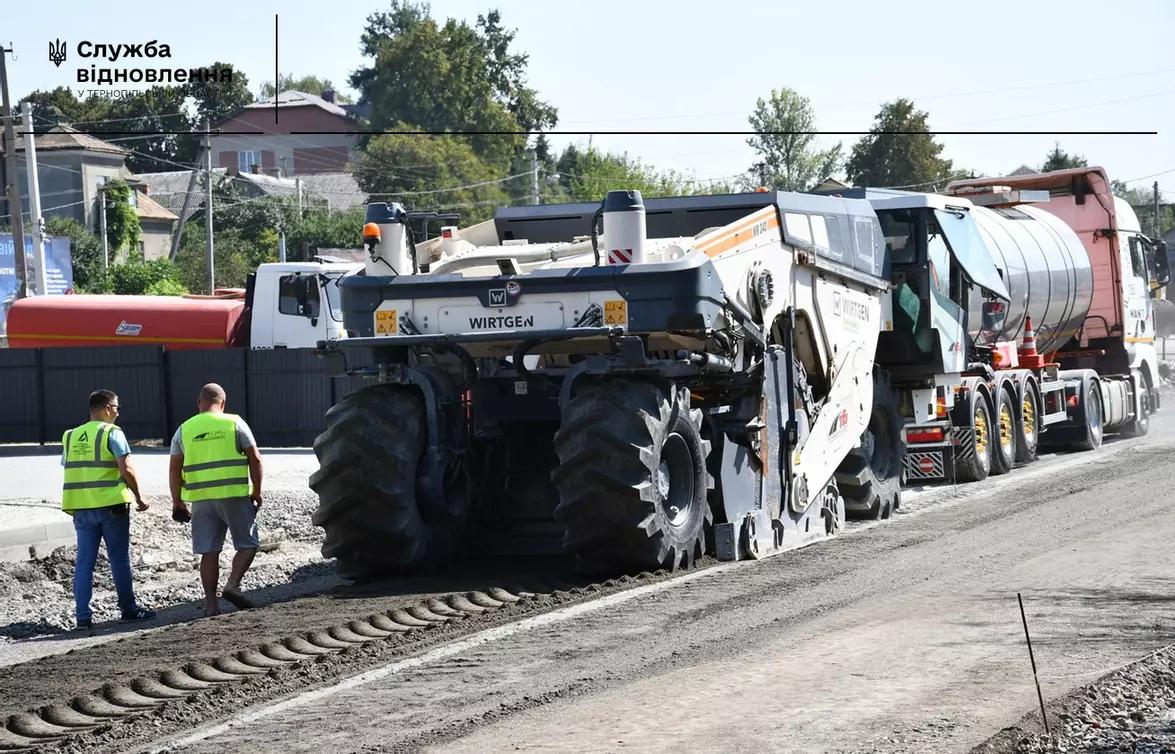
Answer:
x=26 y=731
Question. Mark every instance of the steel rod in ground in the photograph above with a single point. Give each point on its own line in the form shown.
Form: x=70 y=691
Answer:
x=1028 y=638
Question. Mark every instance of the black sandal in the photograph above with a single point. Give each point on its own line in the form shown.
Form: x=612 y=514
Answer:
x=237 y=599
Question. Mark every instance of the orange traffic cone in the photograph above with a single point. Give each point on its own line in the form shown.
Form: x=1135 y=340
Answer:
x=1026 y=354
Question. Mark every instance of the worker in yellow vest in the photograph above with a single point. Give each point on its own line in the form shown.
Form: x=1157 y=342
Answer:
x=100 y=484
x=216 y=470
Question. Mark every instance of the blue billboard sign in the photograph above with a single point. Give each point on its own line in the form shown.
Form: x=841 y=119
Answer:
x=58 y=268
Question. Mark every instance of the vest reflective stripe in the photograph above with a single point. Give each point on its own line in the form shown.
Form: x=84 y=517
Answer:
x=92 y=477
x=213 y=466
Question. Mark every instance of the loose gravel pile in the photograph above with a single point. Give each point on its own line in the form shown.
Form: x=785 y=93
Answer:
x=36 y=597
x=1129 y=710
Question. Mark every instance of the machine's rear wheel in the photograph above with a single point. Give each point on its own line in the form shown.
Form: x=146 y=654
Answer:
x=369 y=458
x=632 y=478
x=870 y=477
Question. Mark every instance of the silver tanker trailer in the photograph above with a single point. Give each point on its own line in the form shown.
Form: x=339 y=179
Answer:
x=1022 y=318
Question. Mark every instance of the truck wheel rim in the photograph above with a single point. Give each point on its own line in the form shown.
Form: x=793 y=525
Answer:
x=981 y=435
x=1028 y=414
x=1006 y=428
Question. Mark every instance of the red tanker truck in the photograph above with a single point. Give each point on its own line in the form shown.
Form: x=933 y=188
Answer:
x=286 y=305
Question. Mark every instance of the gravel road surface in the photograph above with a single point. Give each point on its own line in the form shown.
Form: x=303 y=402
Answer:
x=903 y=637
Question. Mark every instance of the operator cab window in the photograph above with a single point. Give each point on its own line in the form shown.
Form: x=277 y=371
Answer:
x=298 y=296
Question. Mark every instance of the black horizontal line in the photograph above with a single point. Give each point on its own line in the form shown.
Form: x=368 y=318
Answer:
x=215 y=132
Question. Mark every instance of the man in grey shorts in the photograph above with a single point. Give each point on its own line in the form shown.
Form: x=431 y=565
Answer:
x=216 y=483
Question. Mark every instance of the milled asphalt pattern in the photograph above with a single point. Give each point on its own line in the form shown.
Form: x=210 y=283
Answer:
x=902 y=636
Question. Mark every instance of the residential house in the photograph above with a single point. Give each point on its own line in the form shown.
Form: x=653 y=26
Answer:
x=71 y=168
x=329 y=190
x=294 y=134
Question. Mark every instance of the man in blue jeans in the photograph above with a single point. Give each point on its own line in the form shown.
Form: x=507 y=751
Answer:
x=99 y=486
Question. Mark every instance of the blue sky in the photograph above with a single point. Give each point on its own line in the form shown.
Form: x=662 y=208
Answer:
x=655 y=65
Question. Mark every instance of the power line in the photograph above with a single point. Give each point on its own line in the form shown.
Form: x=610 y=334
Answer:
x=818 y=105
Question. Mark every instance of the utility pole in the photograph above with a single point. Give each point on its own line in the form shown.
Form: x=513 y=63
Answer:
x=179 y=227
x=30 y=150
x=298 y=186
x=13 y=180
x=102 y=223
x=1158 y=227
x=208 y=208
x=534 y=177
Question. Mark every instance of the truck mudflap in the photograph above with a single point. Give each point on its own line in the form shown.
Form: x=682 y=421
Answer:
x=930 y=452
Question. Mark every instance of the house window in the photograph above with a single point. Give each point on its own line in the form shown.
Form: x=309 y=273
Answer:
x=246 y=160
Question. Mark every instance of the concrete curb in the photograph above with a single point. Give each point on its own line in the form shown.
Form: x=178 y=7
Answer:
x=34 y=542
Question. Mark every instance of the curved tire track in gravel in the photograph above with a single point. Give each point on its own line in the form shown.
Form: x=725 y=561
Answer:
x=141 y=708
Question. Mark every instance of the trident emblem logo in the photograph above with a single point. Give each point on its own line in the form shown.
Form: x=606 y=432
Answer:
x=57 y=53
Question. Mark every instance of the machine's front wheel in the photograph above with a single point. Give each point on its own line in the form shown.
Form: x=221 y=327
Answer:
x=369 y=457
x=632 y=478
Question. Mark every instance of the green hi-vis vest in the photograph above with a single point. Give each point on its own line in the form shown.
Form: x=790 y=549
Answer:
x=213 y=466
x=92 y=477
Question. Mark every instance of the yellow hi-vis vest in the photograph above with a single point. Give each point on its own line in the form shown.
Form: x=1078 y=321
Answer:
x=92 y=477
x=214 y=469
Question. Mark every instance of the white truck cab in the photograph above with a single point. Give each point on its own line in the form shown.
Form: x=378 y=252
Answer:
x=297 y=304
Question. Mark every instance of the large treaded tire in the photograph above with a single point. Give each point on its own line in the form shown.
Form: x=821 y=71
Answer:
x=369 y=456
x=870 y=477
x=612 y=492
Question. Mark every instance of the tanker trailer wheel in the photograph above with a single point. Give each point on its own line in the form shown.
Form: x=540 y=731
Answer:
x=973 y=458
x=1004 y=434
x=1028 y=439
x=632 y=478
x=369 y=456
x=870 y=477
x=1093 y=417
x=1141 y=425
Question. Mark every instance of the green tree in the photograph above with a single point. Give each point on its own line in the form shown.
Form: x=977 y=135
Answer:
x=899 y=151
x=163 y=115
x=217 y=100
x=123 y=231
x=445 y=173
x=230 y=250
x=447 y=78
x=1058 y=159
x=135 y=277
x=308 y=84
x=1143 y=202
x=784 y=139
x=321 y=229
x=587 y=174
x=85 y=251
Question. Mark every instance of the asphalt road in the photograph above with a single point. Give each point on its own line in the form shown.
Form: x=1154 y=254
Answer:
x=903 y=637
x=34 y=474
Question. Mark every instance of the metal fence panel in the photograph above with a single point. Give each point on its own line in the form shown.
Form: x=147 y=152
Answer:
x=21 y=418
x=134 y=373
x=190 y=370
x=288 y=394
x=282 y=394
